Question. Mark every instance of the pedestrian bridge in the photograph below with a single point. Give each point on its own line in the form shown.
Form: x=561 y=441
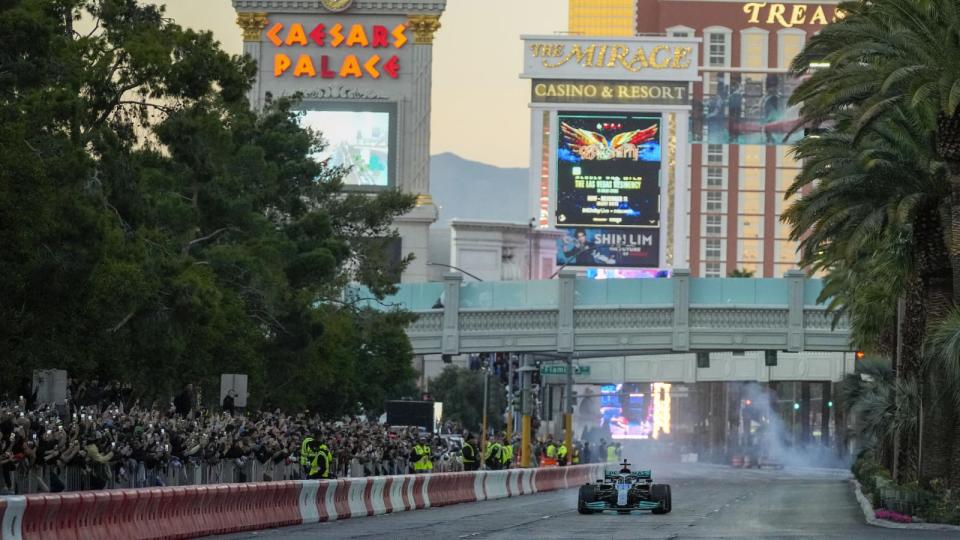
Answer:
x=619 y=316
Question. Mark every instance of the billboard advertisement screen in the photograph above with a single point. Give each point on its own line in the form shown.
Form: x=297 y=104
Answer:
x=357 y=140
x=608 y=170
x=609 y=247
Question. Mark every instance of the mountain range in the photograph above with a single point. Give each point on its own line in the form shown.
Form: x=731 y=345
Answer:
x=464 y=189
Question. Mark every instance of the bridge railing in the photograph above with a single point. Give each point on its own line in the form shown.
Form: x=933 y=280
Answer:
x=679 y=314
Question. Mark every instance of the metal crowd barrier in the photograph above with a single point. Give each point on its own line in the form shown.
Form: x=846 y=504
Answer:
x=131 y=474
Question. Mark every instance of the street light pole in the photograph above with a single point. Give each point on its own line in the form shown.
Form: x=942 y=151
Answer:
x=510 y=391
x=483 y=436
x=525 y=447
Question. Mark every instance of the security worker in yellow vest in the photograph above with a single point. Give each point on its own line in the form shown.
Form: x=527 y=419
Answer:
x=469 y=454
x=320 y=466
x=493 y=457
x=613 y=453
x=506 y=454
x=576 y=454
x=307 y=453
x=562 y=454
x=550 y=452
x=424 y=462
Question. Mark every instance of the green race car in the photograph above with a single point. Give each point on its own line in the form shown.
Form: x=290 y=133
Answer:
x=624 y=492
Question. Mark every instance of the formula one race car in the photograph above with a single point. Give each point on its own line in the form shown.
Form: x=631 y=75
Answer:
x=624 y=492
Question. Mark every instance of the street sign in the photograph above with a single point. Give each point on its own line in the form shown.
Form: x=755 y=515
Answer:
x=561 y=369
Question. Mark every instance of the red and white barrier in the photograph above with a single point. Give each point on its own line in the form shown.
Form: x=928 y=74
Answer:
x=185 y=512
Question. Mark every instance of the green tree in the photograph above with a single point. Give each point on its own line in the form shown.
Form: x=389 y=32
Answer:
x=740 y=273
x=885 y=56
x=157 y=230
x=461 y=391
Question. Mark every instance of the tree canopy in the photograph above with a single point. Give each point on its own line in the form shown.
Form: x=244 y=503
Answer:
x=157 y=230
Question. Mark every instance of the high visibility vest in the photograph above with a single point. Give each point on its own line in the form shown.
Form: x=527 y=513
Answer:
x=551 y=450
x=306 y=453
x=562 y=453
x=493 y=450
x=423 y=462
x=324 y=456
x=576 y=455
x=469 y=453
x=611 y=454
x=506 y=453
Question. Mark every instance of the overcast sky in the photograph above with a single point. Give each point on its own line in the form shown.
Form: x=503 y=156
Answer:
x=479 y=102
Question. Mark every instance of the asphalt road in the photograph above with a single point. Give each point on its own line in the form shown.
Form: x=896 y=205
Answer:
x=708 y=502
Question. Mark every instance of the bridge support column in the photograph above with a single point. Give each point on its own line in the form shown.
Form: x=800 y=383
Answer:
x=681 y=309
x=795 y=338
x=567 y=284
x=568 y=411
x=451 y=313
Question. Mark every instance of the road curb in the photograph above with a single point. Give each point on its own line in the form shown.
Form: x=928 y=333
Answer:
x=870 y=517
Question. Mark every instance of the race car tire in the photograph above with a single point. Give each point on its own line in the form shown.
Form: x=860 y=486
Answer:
x=661 y=494
x=587 y=494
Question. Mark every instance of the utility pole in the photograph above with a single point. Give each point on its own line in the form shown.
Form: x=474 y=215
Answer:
x=568 y=416
x=527 y=404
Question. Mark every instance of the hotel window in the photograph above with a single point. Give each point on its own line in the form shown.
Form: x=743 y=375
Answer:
x=785 y=158
x=712 y=250
x=715 y=177
x=718 y=50
x=711 y=269
x=753 y=48
x=751 y=179
x=714 y=225
x=783 y=229
x=751 y=250
x=715 y=153
x=680 y=31
x=714 y=201
x=752 y=155
x=751 y=227
x=785 y=179
x=751 y=202
x=789 y=44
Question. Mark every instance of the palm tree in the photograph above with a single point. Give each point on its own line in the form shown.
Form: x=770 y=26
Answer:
x=871 y=220
x=884 y=407
x=943 y=370
x=738 y=273
x=886 y=55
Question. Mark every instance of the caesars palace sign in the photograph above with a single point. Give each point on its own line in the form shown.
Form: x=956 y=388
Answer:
x=347 y=50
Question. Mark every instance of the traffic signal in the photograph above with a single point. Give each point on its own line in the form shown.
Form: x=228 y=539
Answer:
x=830 y=404
x=703 y=359
x=770 y=358
x=860 y=355
x=447 y=358
x=796 y=406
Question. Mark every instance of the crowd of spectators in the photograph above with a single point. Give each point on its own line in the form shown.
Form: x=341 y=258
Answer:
x=112 y=443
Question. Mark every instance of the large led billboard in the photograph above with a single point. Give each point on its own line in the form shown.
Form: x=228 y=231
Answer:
x=608 y=189
x=359 y=140
x=628 y=247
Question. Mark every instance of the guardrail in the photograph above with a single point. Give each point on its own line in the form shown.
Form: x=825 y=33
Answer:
x=191 y=511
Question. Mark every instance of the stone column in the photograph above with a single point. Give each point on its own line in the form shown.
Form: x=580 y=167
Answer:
x=418 y=114
x=252 y=24
x=414 y=162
